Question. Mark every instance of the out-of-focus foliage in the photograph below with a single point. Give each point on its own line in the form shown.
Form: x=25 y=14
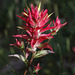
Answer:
x=62 y=61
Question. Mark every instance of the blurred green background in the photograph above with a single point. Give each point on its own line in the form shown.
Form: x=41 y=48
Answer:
x=62 y=62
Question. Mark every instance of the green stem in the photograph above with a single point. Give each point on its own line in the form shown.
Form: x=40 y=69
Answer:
x=29 y=64
x=24 y=53
x=31 y=73
x=68 y=48
x=26 y=61
x=61 y=59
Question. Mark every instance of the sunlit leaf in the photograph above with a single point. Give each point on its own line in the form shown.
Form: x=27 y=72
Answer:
x=50 y=14
x=39 y=6
x=18 y=56
x=25 y=13
x=42 y=53
x=25 y=28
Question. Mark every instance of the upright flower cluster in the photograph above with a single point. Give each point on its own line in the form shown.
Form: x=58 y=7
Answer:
x=35 y=25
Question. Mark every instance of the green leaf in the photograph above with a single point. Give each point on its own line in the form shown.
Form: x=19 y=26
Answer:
x=18 y=56
x=42 y=53
x=22 y=43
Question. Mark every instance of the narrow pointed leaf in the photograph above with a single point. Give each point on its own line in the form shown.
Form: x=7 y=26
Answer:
x=39 y=6
x=42 y=53
x=24 y=27
x=27 y=6
x=18 y=56
x=50 y=14
x=25 y=14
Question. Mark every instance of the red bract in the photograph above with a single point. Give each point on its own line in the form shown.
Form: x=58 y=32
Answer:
x=73 y=49
x=37 y=68
x=58 y=24
x=19 y=44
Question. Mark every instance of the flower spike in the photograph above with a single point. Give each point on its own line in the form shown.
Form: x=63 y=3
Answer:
x=35 y=24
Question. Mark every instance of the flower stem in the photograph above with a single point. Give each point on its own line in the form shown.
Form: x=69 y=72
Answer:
x=30 y=70
x=28 y=65
x=24 y=53
x=26 y=61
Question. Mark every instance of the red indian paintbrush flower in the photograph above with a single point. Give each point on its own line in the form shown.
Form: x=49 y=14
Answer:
x=35 y=26
x=37 y=68
x=57 y=24
x=19 y=44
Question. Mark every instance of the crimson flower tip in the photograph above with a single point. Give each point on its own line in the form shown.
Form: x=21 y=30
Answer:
x=37 y=68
